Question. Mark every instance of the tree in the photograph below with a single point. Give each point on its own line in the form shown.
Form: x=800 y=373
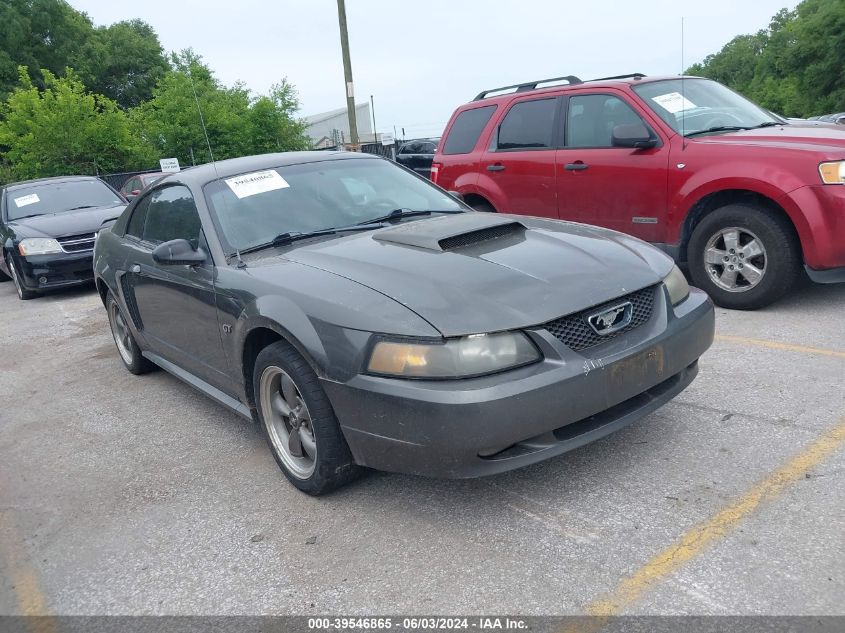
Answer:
x=236 y=123
x=64 y=130
x=795 y=67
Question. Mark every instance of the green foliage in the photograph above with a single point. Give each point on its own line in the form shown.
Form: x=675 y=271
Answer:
x=122 y=61
x=64 y=130
x=237 y=125
x=796 y=67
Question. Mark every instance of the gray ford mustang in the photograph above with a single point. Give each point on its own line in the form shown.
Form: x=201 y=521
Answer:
x=365 y=317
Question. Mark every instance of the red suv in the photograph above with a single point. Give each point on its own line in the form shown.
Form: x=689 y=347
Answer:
x=740 y=195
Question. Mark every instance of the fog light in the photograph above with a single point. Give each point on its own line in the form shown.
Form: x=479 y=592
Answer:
x=42 y=280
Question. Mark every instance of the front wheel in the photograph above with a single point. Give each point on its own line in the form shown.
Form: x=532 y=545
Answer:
x=744 y=257
x=299 y=423
x=23 y=293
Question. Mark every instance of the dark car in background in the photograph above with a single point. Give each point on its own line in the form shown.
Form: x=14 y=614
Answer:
x=398 y=330
x=48 y=228
x=135 y=184
x=417 y=155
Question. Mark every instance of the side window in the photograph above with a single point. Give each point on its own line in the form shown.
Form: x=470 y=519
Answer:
x=139 y=216
x=591 y=118
x=466 y=129
x=427 y=148
x=172 y=214
x=528 y=125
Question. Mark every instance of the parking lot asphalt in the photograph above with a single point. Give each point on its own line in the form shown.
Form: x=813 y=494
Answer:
x=137 y=495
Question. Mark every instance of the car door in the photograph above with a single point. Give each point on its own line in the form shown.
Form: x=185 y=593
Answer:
x=620 y=188
x=518 y=168
x=174 y=303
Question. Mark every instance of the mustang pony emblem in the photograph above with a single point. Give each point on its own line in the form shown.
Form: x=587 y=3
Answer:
x=611 y=319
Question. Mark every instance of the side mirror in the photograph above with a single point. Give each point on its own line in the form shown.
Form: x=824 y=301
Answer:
x=634 y=135
x=178 y=252
x=456 y=194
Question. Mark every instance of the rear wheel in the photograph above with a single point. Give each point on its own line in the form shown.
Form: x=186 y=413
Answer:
x=744 y=257
x=299 y=423
x=128 y=349
x=23 y=293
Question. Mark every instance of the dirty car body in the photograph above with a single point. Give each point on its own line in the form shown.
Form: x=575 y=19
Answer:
x=604 y=330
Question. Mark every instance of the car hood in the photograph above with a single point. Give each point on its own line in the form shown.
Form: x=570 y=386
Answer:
x=480 y=272
x=67 y=222
x=810 y=135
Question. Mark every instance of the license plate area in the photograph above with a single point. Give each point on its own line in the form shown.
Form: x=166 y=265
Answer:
x=637 y=373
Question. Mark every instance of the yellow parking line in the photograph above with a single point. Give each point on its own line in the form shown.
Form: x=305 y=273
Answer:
x=787 y=347
x=696 y=540
x=31 y=600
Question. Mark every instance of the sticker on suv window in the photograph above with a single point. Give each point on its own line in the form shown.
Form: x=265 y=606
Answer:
x=25 y=200
x=257 y=182
x=674 y=102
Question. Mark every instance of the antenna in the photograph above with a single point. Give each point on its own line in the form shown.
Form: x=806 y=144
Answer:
x=683 y=96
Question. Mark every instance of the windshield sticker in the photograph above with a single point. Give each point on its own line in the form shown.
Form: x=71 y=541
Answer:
x=25 y=200
x=256 y=182
x=674 y=102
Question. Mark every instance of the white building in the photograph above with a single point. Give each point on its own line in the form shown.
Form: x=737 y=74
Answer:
x=329 y=129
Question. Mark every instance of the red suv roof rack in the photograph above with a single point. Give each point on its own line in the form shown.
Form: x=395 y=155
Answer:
x=630 y=76
x=531 y=85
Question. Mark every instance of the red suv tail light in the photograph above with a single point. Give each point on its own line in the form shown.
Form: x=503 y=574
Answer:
x=435 y=171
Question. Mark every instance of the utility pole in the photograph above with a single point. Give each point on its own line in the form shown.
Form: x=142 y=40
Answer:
x=347 y=74
x=373 y=108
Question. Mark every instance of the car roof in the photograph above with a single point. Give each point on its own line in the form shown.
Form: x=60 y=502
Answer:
x=202 y=174
x=26 y=183
x=633 y=80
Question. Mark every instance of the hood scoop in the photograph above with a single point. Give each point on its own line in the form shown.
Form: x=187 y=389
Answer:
x=451 y=232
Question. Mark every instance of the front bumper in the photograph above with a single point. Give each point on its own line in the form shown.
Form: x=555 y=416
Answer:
x=57 y=270
x=483 y=426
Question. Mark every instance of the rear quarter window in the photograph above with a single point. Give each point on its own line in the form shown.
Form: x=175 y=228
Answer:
x=466 y=129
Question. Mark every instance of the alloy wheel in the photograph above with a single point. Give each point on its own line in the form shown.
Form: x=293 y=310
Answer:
x=735 y=259
x=288 y=422
x=120 y=331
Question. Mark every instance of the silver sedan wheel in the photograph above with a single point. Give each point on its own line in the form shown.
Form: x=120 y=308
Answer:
x=120 y=331
x=288 y=422
x=735 y=259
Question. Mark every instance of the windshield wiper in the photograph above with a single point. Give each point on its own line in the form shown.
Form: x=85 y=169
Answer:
x=718 y=128
x=406 y=213
x=23 y=217
x=82 y=206
x=771 y=124
x=283 y=239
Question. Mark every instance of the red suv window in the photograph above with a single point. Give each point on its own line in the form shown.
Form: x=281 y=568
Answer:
x=466 y=129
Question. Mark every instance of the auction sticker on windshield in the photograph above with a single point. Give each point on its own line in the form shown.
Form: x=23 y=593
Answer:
x=255 y=183
x=674 y=102
x=25 y=200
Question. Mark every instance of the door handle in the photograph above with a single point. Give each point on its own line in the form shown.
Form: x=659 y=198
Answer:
x=576 y=166
x=136 y=269
x=496 y=167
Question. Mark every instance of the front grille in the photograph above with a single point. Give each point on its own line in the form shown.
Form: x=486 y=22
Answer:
x=576 y=333
x=481 y=235
x=77 y=243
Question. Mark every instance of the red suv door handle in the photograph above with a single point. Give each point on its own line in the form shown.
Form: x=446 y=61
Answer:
x=496 y=167
x=577 y=166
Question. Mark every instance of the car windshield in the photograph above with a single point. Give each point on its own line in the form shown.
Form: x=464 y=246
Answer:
x=252 y=209
x=57 y=197
x=693 y=106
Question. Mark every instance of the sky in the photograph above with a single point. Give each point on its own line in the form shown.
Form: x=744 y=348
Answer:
x=421 y=59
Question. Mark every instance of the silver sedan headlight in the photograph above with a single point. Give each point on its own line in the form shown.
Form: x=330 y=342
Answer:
x=473 y=355
x=38 y=246
x=677 y=286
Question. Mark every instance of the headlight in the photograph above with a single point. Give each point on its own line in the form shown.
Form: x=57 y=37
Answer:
x=677 y=286
x=833 y=173
x=473 y=355
x=38 y=246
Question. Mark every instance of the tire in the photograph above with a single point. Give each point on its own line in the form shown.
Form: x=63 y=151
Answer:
x=289 y=400
x=485 y=207
x=776 y=254
x=127 y=348
x=23 y=293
